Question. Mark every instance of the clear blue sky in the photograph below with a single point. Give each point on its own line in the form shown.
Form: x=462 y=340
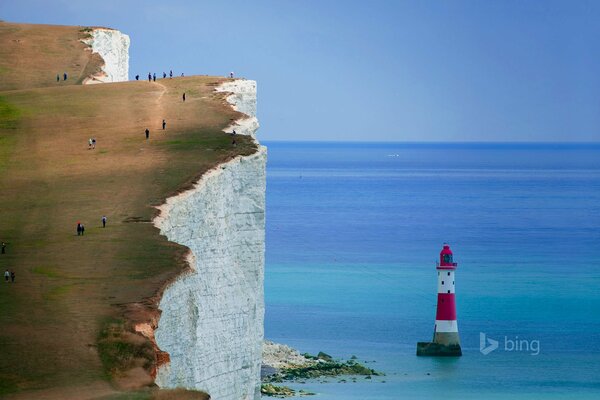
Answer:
x=374 y=70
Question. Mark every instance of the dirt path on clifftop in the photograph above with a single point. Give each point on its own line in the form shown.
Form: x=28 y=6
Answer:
x=69 y=288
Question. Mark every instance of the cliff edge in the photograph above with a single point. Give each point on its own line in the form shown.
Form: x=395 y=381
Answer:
x=212 y=317
x=41 y=56
x=113 y=47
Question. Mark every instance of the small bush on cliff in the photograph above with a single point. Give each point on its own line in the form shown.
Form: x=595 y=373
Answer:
x=121 y=350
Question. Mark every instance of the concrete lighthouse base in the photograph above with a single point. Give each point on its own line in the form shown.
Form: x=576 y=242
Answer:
x=437 y=349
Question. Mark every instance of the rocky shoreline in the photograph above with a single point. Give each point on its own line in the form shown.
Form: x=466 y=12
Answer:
x=278 y=356
x=282 y=363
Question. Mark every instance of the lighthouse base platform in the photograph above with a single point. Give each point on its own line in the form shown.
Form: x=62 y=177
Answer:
x=438 y=350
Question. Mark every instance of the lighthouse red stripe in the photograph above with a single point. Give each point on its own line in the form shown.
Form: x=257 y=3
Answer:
x=446 y=307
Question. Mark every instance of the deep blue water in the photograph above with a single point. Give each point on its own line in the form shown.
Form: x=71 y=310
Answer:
x=353 y=233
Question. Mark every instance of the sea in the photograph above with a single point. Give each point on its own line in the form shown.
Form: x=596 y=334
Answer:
x=353 y=234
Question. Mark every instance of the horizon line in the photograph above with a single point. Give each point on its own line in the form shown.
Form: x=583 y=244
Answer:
x=434 y=141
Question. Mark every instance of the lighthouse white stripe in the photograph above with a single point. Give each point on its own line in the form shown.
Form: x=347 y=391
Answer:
x=445 y=281
x=446 y=326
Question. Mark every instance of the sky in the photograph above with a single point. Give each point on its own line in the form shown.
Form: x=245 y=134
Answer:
x=373 y=70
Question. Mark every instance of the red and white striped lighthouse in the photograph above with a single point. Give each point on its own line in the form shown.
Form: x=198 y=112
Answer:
x=445 y=334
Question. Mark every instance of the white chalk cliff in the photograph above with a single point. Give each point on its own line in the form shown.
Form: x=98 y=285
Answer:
x=113 y=47
x=243 y=99
x=212 y=317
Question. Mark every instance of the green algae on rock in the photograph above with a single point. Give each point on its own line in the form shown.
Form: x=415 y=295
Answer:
x=324 y=365
x=268 y=389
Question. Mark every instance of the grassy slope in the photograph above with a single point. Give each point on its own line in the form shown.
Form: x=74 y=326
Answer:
x=32 y=55
x=67 y=286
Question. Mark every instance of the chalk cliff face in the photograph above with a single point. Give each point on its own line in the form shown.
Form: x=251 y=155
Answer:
x=243 y=99
x=212 y=318
x=113 y=47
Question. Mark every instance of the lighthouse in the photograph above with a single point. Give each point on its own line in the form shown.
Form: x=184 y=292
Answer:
x=445 y=333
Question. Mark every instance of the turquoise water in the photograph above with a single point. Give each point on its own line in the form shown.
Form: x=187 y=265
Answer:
x=353 y=233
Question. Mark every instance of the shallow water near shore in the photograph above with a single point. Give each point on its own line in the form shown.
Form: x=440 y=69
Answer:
x=353 y=233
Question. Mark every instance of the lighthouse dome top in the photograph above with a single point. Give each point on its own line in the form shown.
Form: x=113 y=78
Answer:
x=446 y=258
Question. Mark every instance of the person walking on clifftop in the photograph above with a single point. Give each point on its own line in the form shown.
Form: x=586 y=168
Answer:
x=104 y=221
x=147 y=133
x=164 y=124
x=6 y=275
x=184 y=97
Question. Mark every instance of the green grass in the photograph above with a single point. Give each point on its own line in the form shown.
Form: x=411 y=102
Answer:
x=9 y=114
x=48 y=272
x=58 y=292
x=7 y=143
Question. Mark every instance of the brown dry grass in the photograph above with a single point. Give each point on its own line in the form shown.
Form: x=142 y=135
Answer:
x=69 y=288
x=32 y=55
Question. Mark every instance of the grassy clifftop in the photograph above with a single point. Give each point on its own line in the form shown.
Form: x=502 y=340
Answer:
x=73 y=292
x=32 y=55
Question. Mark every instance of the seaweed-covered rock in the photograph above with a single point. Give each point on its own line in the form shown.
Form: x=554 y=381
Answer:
x=321 y=369
x=324 y=356
x=268 y=389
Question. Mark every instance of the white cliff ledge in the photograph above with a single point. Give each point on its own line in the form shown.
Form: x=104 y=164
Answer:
x=212 y=318
x=243 y=99
x=113 y=47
